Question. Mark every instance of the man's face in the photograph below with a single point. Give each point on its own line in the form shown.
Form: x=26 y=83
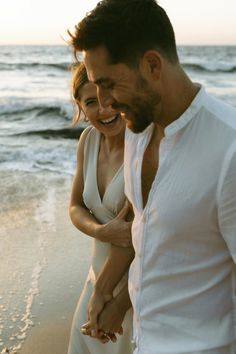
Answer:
x=122 y=88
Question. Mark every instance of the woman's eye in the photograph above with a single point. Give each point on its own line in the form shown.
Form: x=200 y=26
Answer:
x=90 y=102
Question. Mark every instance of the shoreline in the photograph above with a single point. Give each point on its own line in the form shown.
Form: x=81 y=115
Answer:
x=45 y=262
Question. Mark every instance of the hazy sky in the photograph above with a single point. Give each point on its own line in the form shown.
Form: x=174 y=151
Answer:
x=46 y=21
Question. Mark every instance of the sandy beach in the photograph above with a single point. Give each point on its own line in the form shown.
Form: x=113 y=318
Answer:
x=44 y=262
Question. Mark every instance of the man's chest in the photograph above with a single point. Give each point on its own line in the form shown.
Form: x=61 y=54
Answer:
x=148 y=172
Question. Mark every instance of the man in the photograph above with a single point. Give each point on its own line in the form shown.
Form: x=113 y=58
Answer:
x=180 y=176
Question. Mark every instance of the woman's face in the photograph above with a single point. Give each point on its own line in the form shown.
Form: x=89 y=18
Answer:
x=106 y=120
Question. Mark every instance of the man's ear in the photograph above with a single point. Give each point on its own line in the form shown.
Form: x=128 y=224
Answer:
x=151 y=63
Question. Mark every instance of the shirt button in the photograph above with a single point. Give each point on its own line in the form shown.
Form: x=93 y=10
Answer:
x=137 y=288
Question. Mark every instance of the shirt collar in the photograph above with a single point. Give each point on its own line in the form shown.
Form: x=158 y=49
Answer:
x=190 y=112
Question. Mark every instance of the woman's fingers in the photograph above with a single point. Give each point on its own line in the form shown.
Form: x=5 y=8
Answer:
x=112 y=337
x=86 y=329
x=120 y=332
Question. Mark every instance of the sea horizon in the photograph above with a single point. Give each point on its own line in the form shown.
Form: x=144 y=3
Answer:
x=178 y=44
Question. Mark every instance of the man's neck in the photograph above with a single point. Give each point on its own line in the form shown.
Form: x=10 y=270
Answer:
x=178 y=94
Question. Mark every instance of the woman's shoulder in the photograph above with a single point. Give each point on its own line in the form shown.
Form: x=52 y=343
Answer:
x=88 y=134
x=85 y=133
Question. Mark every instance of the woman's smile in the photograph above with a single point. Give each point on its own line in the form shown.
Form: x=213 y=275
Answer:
x=111 y=120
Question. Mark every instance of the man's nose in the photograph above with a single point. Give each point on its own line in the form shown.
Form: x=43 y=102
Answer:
x=104 y=98
x=105 y=110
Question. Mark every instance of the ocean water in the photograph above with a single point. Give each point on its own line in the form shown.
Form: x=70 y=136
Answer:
x=35 y=106
x=37 y=152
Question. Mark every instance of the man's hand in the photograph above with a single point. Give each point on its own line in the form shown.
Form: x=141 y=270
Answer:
x=111 y=319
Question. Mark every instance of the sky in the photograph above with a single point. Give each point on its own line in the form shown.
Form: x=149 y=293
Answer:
x=46 y=21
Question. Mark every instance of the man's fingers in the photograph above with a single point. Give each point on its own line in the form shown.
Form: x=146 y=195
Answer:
x=103 y=337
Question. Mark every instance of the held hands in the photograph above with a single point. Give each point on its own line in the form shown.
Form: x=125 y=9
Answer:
x=118 y=230
x=94 y=308
x=105 y=325
x=111 y=319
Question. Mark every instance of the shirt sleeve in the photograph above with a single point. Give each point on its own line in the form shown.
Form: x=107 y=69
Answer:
x=227 y=200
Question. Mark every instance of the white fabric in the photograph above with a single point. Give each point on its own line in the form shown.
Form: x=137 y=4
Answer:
x=181 y=281
x=104 y=210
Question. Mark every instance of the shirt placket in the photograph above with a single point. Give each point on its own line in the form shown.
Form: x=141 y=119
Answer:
x=165 y=146
x=139 y=242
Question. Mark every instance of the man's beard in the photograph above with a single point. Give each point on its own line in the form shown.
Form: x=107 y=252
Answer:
x=142 y=115
x=141 y=112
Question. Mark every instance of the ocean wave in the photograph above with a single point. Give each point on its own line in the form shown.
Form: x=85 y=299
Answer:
x=66 y=133
x=36 y=153
x=15 y=111
x=216 y=68
x=27 y=66
x=208 y=67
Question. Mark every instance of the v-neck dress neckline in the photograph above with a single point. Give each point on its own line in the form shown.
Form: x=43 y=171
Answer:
x=113 y=180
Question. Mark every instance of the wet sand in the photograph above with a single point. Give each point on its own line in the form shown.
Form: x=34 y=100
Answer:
x=44 y=262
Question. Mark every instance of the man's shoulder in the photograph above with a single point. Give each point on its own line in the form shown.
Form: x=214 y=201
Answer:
x=221 y=111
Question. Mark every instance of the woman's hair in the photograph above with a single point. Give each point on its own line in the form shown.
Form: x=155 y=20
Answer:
x=126 y=28
x=79 y=79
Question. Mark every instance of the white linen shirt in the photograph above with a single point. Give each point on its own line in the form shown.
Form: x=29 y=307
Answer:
x=181 y=281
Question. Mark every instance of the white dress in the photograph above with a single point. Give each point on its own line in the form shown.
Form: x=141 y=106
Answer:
x=104 y=210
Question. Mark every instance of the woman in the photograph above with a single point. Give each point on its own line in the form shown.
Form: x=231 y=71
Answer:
x=97 y=209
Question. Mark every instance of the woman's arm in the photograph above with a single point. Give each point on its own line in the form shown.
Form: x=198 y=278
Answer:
x=79 y=214
x=117 y=231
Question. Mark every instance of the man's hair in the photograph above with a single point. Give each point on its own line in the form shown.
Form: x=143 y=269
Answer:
x=126 y=28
